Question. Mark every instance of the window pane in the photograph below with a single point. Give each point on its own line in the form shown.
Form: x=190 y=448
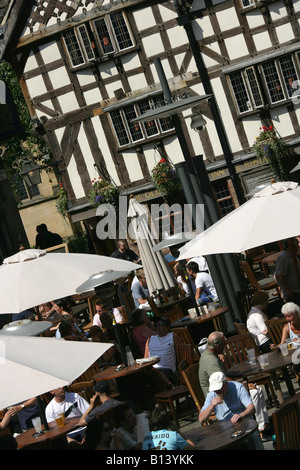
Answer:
x=289 y=73
x=121 y=31
x=119 y=128
x=273 y=82
x=254 y=87
x=240 y=92
x=86 y=42
x=104 y=36
x=73 y=48
x=149 y=126
x=135 y=128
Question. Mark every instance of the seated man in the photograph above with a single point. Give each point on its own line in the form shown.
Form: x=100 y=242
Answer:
x=229 y=401
x=69 y=403
x=100 y=402
x=210 y=363
x=140 y=290
x=204 y=287
x=126 y=422
x=123 y=252
x=163 y=345
x=105 y=316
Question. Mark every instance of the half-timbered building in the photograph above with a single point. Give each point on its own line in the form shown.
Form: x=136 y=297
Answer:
x=87 y=69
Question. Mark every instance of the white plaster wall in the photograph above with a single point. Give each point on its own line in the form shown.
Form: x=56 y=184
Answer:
x=202 y=28
x=92 y=96
x=262 y=41
x=254 y=19
x=209 y=62
x=137 y=81
x=131 y=61
x=133 y=165
x=102 y=142
x=86 y=152
x=277 y=11
x=85 y=77
x=177 y=37
x=59 y=77
x=251 y=129
x=31 y=63
x=173 y=149
x=50 y=52
x=75 y=179
x=152 y=156
x=296 y=5
x=282 y=121
x=108 y=69
x=49 y=104
x=68 y=102
x=235 y=52
x=167 y=70
x=227 y=19
x=285 y=33
x=167 y=14
x=153 y=45
x=36 y=86
x=111 y=87
x=144 y=18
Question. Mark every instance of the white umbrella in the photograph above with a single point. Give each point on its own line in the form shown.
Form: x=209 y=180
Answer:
x=296 y=168
x=271 y=215
x=32 y=277
x=158 y=274
x=175 y=239
x=31 y=366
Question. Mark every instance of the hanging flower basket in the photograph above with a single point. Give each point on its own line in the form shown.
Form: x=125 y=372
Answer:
x=272 y=147
x=62 y=201
x=165 y=178
x=103 y=192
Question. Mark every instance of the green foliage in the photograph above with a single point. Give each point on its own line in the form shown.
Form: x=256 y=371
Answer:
x=103 y=192
x=165 y=178
x=78 y=243
x=269 y=145
x=62 y=201
x=22 y=147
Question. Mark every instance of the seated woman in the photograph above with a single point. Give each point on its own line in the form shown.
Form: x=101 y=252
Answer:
x=256 y=321
x=143 y=329
x=291 y=329
x=181 y=281
x=162 y=436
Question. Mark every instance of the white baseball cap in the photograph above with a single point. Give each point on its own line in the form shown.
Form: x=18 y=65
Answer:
x=216 y=381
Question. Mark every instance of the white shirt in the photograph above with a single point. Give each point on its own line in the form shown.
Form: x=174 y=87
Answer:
x=201 y=261
x=204 y=281
x=256 y=324
x=117 y=315
x=184 y=285
x=163 y=346
x=80 y=405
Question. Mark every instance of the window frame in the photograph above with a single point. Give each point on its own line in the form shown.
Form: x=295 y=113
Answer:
x=159 y=123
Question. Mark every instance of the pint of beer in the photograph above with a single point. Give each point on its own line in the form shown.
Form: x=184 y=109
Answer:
x=60 y=419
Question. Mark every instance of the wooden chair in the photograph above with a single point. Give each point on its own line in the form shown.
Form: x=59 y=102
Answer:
x=186 y=357
x=275 y=328
x=128 y=301
x=235 y=351
x=240 y=328
x=286 y=422
x=185 y=336
x=191 y=379
x=173 y=315
x=88 y=375
x=257 y=285
x=84 y=389
x=257 y=254
x=244 y=301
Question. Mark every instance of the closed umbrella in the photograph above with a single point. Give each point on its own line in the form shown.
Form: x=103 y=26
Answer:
x=157 y=271
x=270 y=215
x=31 y=366
x=32 y=277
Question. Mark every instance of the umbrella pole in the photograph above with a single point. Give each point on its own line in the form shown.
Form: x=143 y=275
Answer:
x=121 y=346
x=42 y=413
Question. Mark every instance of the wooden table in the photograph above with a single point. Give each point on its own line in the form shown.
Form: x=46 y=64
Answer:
x=111 y=373
x=214 y=316
x=271 y=259
x=27 y=438
x=217 y=436
x=277 y=362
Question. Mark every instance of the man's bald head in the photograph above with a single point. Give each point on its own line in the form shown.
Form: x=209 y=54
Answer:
x=215 y=340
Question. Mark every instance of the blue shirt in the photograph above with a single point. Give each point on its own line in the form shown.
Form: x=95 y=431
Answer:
x=163 y=440
x=139 y=292
x=235 y=401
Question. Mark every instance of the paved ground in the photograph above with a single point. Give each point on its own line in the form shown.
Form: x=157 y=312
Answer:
x=187 y=424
